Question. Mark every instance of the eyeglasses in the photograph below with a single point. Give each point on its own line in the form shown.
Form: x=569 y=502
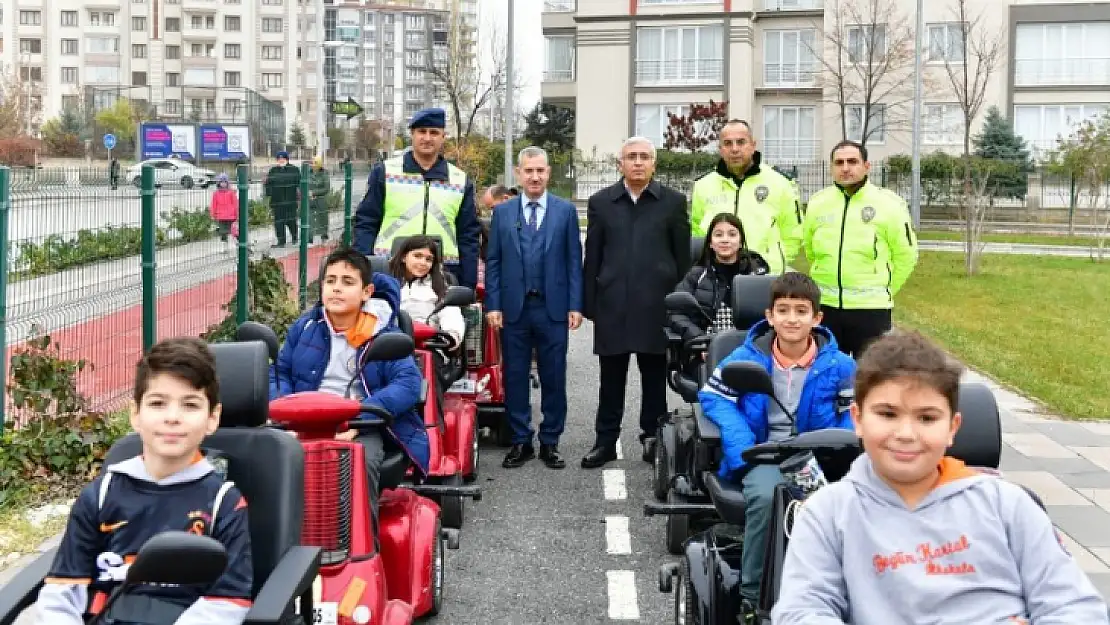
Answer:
x=638 y=156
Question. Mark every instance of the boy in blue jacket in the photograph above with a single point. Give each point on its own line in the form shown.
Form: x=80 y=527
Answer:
x=812 y=379
x=324 y=352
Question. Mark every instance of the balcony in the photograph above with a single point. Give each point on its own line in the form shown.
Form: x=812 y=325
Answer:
x=1060 y=72
x=559 y=6
x=791 y=5
x=558 y=75
x=678 y=72
x=792 y=75
x=790 y=150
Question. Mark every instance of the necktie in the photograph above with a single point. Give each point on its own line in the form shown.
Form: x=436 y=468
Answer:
x=532 y=207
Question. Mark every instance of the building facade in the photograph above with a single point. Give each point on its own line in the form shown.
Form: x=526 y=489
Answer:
x=631 y=62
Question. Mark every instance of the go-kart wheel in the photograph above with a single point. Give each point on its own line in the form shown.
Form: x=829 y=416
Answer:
x=661 y=481
x=678 y=527
x=453 y=508
x=685 y=608
x=475 y=452
x=435 y=582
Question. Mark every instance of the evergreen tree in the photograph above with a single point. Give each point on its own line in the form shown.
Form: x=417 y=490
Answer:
x=1011 y=164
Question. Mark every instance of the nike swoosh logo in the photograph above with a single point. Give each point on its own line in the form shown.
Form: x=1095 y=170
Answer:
x=108 y=528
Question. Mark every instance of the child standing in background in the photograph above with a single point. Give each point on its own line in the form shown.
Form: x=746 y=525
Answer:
x=224 y=210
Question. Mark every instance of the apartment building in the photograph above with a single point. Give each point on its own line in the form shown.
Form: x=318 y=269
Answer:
x=378 y=54
x=181 y=57
x=630 y=62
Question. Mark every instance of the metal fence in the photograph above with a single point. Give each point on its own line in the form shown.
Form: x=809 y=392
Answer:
x=85 y=261
x=1048 y=197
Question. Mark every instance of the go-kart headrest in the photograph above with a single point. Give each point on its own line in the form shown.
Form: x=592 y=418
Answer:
x=379 y=264
x=979 y=440
x=751 y=297
x=244 y=373
x=696 y=245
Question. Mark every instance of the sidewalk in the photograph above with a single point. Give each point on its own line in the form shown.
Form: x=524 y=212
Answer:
x=1074 y=251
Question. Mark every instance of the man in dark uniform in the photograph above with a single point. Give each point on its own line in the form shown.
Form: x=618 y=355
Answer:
x=282 y=186
x=637 y=250
x=419 y=192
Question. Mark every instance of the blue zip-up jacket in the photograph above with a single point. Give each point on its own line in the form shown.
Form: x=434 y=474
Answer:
x=392 y=384
x=743 y=420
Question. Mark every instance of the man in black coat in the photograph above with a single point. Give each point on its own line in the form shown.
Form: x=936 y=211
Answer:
x=637 y=249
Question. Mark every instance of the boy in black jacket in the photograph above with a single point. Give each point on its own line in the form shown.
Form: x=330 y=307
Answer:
x=171 y=486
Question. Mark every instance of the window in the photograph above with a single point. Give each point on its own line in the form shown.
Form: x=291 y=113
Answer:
x=1062 y=54
x=559 y=59
x=173 y=79
x=680 y=55
x=102 y=18
x=69 y=75
x=876 y=126
x=415 y=58
x=866 y=43
x=570 y=4
x=30 y=18
x=792 y=5
x=272 y=53
x=942 y=124
x=138 y=79
x=788 y=57
x=232 y=23
x=232 y=51
x=70 y=47
x=30 y=46
x=202 y=50
x=231 y=79
x=946 y=43
x=233 y=107
x=172 y=107
x=1042 y=125
x=138 y=24
x=200 y=77
x=173 y=24
x=652 y=119
x=138 y=50
x=414 y=21
x=33 y=74
x=790 y=133
x=173 y=53
x=271 y=25
x=69 y=18
x=273 y=81
x=70 y=102
x=102 y=74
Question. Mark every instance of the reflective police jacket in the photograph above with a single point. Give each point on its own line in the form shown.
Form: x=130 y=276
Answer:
x=763 y=200
x=403 y=200
x=861 y=247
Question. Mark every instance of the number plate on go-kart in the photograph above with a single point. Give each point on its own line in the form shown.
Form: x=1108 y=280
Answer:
x=325 y=614
x=465 y=385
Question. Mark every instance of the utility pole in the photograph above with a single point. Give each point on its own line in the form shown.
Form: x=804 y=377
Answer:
x=508 y=123
x=321 y=84
x=915 y=193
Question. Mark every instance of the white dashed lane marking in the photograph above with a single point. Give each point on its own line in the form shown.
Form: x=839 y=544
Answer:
x=622 y=596
x=617 y=539
x=613 y=480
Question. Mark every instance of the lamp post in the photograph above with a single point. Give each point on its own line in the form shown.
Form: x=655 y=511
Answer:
x=508 y=123
x=915 y=193
x=322 y=82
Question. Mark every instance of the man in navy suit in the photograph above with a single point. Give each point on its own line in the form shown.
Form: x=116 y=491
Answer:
x=534 y=295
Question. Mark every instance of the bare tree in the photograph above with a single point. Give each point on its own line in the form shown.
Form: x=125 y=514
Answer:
x=18 y=109
x=969 y=76
x=467 y=89
x=866 y=60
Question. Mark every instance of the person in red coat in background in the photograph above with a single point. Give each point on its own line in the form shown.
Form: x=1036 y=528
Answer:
x=224 y=210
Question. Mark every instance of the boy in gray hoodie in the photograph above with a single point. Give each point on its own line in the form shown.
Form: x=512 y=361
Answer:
x=911 y=536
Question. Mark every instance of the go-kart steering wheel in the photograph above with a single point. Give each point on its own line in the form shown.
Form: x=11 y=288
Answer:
x=440 y=341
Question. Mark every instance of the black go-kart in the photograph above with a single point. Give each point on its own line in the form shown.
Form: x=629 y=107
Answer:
x=706 y=581
x=267 y=466
x=682 y=453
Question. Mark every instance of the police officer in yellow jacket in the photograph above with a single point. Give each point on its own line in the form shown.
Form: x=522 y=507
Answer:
x=419 y=192
x=861 y=248
x=764 y=200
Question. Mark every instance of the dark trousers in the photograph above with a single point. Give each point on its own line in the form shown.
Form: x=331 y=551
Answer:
x=610 y=402
x=535 y=331
x=854 y=329
x=373 y=447
x=285 y=220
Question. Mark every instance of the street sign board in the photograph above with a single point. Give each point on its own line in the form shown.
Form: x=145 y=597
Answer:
x=109 y=141
x=350 y=108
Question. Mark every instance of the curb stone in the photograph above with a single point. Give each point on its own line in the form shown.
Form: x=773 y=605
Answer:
x=11 y=569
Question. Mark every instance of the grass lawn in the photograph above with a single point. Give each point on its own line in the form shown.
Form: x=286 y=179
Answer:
x=1032 y=323
x=1007 y=237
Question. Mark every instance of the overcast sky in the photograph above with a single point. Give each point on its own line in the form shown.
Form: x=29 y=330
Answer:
x=528 y=61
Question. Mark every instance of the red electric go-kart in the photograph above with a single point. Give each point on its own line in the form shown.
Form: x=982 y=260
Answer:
x=451 y=418
x=402 y=580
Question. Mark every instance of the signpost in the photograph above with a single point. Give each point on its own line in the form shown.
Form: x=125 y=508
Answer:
x=350 y=108
x=109 y=144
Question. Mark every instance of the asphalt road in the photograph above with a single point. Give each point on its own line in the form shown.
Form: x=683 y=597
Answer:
x=560 y=547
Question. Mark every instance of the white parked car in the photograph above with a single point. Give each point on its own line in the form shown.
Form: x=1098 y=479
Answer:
x=172 y=172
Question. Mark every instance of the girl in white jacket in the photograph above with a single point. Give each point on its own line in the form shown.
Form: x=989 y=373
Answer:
x=419 y=268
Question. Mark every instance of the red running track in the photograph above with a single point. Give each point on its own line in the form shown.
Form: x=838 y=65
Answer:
x=113 y=343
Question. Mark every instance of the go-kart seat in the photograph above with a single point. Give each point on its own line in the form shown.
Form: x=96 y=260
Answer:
x=979 y=440
x=751 y=297
x=696 y=245
x=267 y=466
x=723 y=344
x=404 y=322
x=379 y=264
